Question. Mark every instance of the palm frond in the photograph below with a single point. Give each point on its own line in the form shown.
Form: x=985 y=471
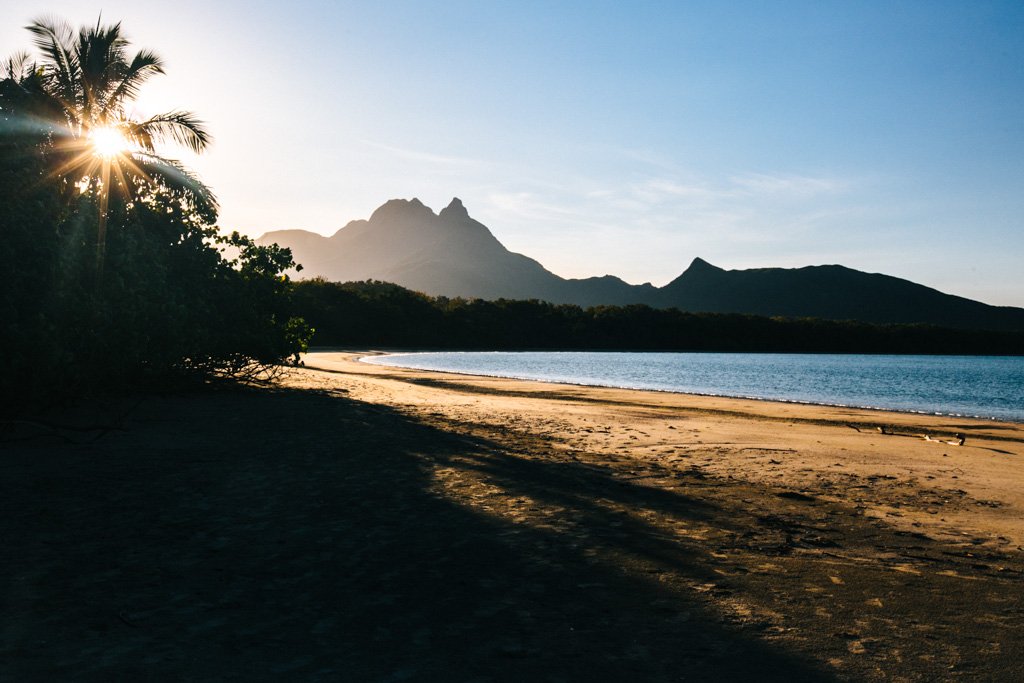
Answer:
x=55 y=39
x=143 y=65
x=18 y=67
x=176 y=177
x=180 y=127
x=101 y=55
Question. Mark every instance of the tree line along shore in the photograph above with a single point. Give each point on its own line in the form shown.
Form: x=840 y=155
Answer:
x=379 y=314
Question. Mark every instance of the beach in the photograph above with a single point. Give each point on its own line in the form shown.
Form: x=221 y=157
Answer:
x=362 y=522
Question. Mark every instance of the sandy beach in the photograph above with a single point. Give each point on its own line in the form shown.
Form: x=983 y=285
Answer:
x=360 y=522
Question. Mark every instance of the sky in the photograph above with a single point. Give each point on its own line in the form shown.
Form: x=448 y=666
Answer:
x=611 y=137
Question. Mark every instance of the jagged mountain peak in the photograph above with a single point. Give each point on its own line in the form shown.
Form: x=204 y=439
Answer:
x=401 y=208
x=455 y=209
x=698 y=265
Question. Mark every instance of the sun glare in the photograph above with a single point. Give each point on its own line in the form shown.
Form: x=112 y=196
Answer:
x=107 y=142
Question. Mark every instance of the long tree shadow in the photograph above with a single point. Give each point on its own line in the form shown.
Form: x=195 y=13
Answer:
x=294 y=535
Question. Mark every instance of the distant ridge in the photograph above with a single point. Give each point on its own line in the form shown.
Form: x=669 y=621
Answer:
x=832 y=291
x=451 y=254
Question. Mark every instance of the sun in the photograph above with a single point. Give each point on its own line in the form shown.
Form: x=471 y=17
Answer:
x=108 y=142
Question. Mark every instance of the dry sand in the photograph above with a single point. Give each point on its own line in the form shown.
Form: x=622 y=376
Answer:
x=361 y=522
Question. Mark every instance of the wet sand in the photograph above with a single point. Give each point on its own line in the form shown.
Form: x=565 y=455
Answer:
x=360 y=522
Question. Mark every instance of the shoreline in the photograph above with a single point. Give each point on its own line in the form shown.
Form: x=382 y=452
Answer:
x=895 y=433
x=365 y=359
x=368 y=522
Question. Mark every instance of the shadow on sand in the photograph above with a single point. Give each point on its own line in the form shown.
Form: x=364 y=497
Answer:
x=300 y=536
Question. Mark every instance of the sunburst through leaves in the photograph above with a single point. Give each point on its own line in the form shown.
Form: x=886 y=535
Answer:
x=108 y=142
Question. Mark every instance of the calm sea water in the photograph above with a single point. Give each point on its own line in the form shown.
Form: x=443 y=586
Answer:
x=975 y=386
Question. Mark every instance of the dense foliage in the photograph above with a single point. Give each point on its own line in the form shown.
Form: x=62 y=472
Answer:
x=114 y=273
x=377 y=314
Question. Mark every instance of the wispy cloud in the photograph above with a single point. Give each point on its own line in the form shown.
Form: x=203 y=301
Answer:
x=753 y=200
x=661 y=189
x=543 y=210
x=649 y=227
x=786 y=185
x=735 y=190
x=427 y=157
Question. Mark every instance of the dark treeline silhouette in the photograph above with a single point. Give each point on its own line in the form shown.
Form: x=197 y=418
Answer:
x=379 y=314
x=114 y=270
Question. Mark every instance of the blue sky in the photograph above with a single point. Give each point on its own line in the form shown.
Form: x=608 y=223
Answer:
x=610 y=137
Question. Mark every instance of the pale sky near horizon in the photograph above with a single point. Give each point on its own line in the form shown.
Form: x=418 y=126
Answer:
x=610 y=137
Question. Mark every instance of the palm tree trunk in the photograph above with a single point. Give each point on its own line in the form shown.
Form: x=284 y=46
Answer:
x=101 y=230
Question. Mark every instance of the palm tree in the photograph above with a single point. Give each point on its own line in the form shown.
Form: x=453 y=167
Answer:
x=87 y=80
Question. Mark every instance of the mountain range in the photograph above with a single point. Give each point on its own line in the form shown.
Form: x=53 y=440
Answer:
x=451 y=254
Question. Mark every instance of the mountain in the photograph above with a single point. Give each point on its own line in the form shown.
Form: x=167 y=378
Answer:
x=446 y=254
x=451 y=254
x=834 y=292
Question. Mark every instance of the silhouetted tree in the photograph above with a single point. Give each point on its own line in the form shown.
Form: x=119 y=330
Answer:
x=167 y=303
x=85 y=82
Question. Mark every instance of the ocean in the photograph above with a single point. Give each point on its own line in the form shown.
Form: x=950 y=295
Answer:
x=989 y=387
